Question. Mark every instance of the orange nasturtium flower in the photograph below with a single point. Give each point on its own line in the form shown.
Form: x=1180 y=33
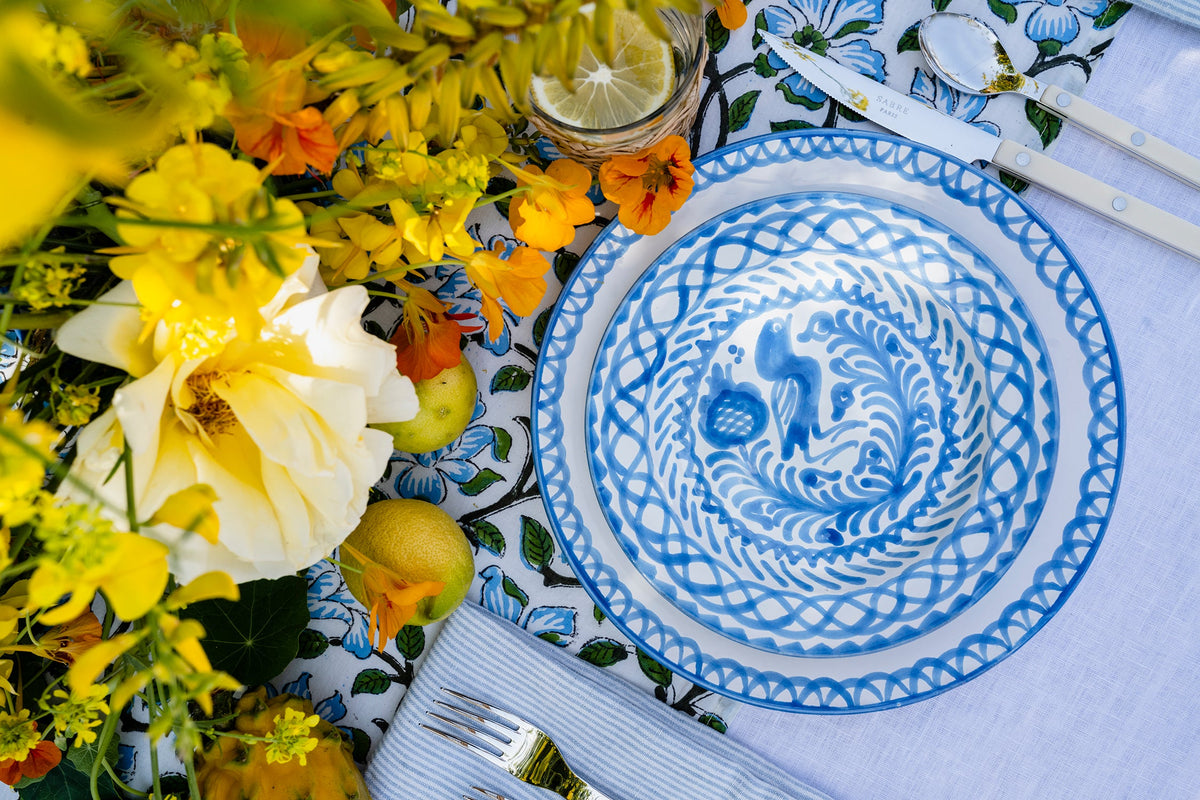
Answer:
x=732 y=13
x=64 y=643
x=427 y=339
x=392 y=601
x=274 y=122
x=545 y=217
x=23 y=753
x=650 y=185
x=519 y=280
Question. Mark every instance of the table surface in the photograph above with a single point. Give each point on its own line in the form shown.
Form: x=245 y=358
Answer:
x=1103 y=701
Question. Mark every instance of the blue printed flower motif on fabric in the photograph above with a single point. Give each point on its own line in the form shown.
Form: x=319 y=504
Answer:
x=503 y=597
x=823 y=27
x=949 y=101
x=1058 y=21
x=328 y=599
x=428 y=476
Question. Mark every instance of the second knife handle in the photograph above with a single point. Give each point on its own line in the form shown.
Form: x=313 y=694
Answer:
x=1123 y=134
x=1113 y=204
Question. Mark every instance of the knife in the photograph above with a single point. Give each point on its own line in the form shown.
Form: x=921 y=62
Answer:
x=914 y=120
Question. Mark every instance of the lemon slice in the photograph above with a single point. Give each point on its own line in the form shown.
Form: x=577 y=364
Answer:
x=639 y=80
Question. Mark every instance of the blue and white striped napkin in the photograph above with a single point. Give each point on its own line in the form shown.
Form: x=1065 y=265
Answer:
x=1185 y=11
x=628 y=744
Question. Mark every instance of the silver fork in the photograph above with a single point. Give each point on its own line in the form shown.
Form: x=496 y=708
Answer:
x=488 y=794
x=512 y=744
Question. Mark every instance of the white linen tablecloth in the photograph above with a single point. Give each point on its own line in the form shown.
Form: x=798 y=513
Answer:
x=1104 y=702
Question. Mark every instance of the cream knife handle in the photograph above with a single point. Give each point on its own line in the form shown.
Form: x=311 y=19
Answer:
x=1117 y=206
x=1125 y=135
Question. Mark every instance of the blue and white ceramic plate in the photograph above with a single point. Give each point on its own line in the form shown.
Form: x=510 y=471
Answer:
x=842 y=436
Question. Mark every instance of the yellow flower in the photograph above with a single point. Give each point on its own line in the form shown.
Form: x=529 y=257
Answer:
x=292 y=737
x=230 y=250
x=81 y=553
x=77 y=713
x=545 y=217
x=46 y=283
x=25 y=449
x=519 y=280
x=434 y=232
x=75 y=405
x=276 y=425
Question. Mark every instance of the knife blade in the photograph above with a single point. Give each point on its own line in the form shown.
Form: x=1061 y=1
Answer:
x=914 y=120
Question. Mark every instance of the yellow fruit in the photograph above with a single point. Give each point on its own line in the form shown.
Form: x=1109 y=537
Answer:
x=237 y=769
x=639 y=80
x=419 y=542
x=447 y=401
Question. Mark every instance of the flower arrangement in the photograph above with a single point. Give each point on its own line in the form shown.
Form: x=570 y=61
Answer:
x=202 y=197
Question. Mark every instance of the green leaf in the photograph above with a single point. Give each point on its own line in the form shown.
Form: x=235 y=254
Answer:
x=741 y=109
x=501 y=444
x=716 y=33
x=797 y=100
x=256 y=637
x=790 y=125
x=909 y=41
x=763 y=68
x=360 y=743
x=564 y=265
x=514 y=591
x=1111 y=15
x=1046 y=124
x=654 y=670
x=410 y=641
x=1013 y=182
x=312 y=644
x=714 y=722
x=846 y=112
x=370 y=681
x=1003 y=10
x=1050 y=47
x=856 y=26
x=66 y=782
x=482 y=480
x=487 y=536
x=540 y=325
x=941 y=5
x=550 y=636
x=602 y=652
x=511 y=378
x=597 y=614
x=537 y=545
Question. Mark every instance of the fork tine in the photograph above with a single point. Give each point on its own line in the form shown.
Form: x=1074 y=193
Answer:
x=487 y=755
x=485 y=732
x=485 y=793
x=513 y=721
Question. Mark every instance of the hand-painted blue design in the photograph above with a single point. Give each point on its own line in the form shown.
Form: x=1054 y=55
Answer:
x=824 y=536
x=503 y=597
x=824 y=27
x=796 y=384
x=428 y=476
x=1058 y=20
x=731 y=413
x=1084 y=492
x=328 y=599
x=950 y=101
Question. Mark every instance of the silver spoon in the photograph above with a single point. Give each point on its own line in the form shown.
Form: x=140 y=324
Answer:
x=966 y=54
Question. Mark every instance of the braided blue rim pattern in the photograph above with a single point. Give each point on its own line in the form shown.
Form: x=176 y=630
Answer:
x=810 y=685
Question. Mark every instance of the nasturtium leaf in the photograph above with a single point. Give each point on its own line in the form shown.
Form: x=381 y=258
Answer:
x=370 y=681
x=255 y=637
x=66 y=782
x=602 y=652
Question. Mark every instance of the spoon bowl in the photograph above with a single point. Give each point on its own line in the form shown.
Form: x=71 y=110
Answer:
x=968 y=55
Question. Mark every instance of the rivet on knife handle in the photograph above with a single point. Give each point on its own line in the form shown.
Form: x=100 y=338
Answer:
x=1125 y=135
x=1120 y=207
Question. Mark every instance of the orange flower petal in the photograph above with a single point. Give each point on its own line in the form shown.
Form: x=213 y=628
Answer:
x=732 y=14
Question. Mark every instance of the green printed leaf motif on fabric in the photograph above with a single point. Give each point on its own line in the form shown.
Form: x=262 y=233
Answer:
x=603 y=652
x=537 y=545
x=511 y=378
x=370 y=681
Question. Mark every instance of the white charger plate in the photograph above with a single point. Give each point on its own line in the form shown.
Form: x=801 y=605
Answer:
x=843 y=435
